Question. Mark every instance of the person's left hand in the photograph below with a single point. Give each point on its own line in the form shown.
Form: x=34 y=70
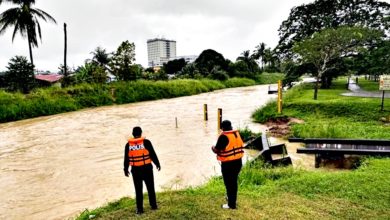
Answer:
x=214 y=149
x=159 y=168
x=126 y=173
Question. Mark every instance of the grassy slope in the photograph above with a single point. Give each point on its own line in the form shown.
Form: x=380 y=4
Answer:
x=368 y=85
x=281 y=193
x=331 y=115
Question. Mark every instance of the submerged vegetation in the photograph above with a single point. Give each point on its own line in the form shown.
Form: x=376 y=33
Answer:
x=278 y=193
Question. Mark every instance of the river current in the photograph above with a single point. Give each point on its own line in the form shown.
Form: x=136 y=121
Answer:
x=55 y=167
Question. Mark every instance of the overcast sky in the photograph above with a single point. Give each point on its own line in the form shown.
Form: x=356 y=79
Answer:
x=227 y=26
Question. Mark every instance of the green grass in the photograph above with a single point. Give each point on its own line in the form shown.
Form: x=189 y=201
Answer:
x=331 y=115
x=247 y=134
x=54 y=100
x=368 y=85
x=279 y=193
x=269 y=78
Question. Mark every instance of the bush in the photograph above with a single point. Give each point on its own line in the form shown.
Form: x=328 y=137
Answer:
x=48 y=101
x=236 y=82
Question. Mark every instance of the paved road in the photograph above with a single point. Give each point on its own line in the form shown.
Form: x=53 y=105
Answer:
x=358 y=92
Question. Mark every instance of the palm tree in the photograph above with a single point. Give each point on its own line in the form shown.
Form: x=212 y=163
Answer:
x=245 y=56
x=24 y=18
x=258 y=53
x=268 y=57
x=19 y=1
x=101 y=57
x=248 y=59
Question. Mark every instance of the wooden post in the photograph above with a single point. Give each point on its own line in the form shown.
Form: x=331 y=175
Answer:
x=383 y=100
x=176 y=122
x=280 y=96
x=219 y=118
x=205 y=114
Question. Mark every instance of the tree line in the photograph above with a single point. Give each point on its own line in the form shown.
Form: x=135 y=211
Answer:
x=325 y=38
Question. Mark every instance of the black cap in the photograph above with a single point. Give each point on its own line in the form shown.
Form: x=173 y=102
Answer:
x=226 y=125
x=137 y=131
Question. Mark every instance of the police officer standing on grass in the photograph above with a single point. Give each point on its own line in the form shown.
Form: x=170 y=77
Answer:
x=139 y=154
x=229 y=150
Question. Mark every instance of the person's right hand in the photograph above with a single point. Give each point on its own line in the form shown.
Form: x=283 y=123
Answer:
x=126 y=173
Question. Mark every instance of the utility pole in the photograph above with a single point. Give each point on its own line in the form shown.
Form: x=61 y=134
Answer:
x=65 y=53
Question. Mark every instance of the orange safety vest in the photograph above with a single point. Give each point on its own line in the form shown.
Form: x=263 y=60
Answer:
x=234 y=149
x=138 y=154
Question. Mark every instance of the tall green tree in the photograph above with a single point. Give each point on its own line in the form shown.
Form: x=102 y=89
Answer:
x=210 y=59
x=258 y=53
x=25 y=21
x=325 y=46
x=122 y=62
x=174 y=66
x=374 y=62
x=307 y=19
x=101 y=57
x=189 y=71
x=20 y=74
x=250 y=61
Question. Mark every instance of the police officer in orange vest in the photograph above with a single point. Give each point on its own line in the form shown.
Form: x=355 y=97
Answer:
x=229 y=150
x=139 y=154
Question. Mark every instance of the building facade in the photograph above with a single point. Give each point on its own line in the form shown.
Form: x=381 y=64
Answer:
x=160 y=51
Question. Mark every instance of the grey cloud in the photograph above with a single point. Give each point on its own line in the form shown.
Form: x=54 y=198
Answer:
x=229 y=26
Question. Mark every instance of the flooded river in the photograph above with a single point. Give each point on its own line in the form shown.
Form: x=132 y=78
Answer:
x=57 y=166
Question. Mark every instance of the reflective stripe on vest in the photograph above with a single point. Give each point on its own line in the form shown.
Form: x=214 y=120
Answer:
x=235 y=148
x=138 y=154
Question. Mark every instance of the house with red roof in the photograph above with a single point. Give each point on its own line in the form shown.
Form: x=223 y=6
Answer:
x=48 y=79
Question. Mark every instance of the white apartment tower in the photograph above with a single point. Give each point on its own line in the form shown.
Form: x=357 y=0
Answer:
x=160 y=50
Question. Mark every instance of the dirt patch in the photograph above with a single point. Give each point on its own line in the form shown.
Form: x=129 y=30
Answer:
x=281 y=127
x=341 y=162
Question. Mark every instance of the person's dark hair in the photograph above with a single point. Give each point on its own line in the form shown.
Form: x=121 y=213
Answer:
x=137 y=131
x=226 y=125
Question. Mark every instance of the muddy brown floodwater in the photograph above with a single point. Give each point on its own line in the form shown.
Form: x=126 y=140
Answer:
x=55 y=167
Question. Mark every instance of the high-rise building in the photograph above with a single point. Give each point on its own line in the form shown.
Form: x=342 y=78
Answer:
x=160 y=50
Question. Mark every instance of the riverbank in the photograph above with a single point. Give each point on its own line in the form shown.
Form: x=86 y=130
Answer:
x=56 y=166
x=332 y=115
x=54 y=100
x=279 y=193
x=292 y=193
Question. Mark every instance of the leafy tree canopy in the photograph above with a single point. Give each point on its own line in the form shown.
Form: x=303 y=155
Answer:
x=307 y=19
x=122 y=61
x=91 y=73
x=101 y=57
x=174 y=66
x=375 y=61
x=210 y=59
x=326 y=46
x=20 y=74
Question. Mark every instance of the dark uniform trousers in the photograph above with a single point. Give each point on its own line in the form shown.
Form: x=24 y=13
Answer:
x=230 y=171
x=140 y=174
